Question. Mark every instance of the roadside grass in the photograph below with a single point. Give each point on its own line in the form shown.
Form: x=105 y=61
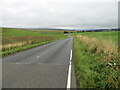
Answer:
x=113 y=35
x=91 y=70
x=98 y=46
x=14 y=40
x=18 y=49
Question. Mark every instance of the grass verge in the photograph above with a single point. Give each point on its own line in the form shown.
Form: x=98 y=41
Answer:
x=11 y=51
x=91 y=71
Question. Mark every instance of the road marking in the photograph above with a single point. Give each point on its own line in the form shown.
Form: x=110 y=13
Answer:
x=42 y=54
x=69 y=73
x=70 y=62
x=69 y=77
x=71 y=55
x=38 y=56
x=45 y=52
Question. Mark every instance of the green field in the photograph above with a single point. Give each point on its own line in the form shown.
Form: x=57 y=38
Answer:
x=29 y=32
x=14 y=40
x=101 y=35
x=96 y=60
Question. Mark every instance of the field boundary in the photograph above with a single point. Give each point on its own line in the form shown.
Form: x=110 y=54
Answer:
x=12 y=51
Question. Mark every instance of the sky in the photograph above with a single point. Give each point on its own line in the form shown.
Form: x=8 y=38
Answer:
x=79 y=14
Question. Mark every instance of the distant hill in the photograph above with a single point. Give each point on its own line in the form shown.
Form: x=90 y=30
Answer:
x=113 y=29
x=89 y=30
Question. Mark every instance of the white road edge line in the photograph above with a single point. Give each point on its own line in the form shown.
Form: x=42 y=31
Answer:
x=69 y=73
x=71 y=55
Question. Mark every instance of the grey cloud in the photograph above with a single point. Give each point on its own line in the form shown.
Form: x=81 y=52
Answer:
x=59 y=13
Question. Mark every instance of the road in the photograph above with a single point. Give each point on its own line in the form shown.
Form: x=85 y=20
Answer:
x=47 y=66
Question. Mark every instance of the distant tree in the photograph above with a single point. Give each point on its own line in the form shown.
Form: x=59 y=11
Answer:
x=65 y=32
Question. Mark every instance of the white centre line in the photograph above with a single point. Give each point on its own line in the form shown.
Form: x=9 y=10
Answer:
x=38 y=56
x=69 y=73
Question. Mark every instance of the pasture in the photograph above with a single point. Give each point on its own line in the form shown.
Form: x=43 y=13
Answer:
x=14 y=40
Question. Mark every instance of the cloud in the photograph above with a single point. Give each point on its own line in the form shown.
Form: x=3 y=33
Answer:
x=59 y=13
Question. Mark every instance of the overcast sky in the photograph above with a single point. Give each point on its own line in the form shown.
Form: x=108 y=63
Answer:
x=60 y=13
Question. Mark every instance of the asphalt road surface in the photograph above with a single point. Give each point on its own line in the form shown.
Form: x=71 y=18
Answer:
x=47 y=66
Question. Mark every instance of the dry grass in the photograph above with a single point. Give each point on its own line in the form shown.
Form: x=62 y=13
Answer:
x=107 y=47
x=16 y=42
x=14 y=45
x=12 y=40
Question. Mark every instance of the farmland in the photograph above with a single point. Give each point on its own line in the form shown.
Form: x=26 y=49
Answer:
x=112 y=36
x=96 y=59
x=15 y=40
